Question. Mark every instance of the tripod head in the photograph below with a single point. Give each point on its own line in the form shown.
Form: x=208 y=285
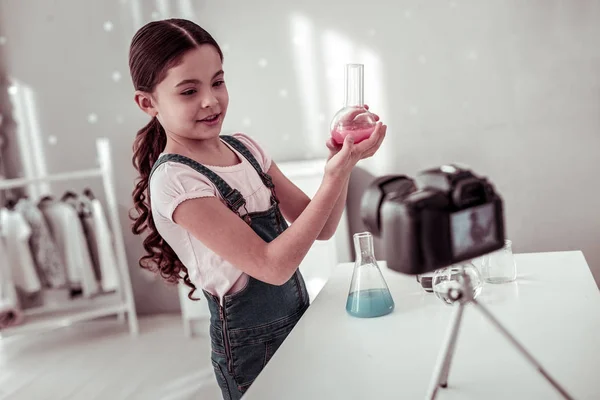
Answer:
x=460 y=290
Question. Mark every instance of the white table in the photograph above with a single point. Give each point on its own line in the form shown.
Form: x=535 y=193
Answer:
x=553 y=309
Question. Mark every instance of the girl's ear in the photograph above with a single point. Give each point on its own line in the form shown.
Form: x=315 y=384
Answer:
x=145 y=103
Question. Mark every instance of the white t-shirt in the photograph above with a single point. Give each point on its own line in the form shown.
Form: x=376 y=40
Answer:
x=173 y=183
x=17 y=231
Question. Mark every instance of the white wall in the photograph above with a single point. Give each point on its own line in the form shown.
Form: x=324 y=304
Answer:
x=511 y=88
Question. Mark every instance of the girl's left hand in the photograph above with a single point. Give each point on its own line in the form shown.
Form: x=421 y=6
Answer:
x=334 y=147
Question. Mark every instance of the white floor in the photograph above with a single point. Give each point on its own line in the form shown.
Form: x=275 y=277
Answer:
x=100 y=360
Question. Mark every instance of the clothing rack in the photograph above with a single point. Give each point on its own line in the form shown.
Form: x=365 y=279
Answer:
x=122 y=302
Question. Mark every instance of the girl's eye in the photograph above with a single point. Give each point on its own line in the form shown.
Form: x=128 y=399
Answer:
x=189 y=92
x=218 y=83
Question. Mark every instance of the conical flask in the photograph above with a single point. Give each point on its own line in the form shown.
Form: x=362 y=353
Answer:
x=369 y=295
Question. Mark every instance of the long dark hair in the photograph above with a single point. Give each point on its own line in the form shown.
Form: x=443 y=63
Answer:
x=156 y=47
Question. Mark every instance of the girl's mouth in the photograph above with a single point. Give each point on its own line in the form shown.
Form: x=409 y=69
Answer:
x=211 y=119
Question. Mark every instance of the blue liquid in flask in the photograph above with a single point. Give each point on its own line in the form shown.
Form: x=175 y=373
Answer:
x=369 y=295
x=370 y=303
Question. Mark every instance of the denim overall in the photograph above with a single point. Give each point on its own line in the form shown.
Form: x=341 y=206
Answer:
x=253 y=322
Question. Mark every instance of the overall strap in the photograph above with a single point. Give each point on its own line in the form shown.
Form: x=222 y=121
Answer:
x=243 y=150
x=233 y=197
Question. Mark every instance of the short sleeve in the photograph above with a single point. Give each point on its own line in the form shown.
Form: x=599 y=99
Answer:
x=264 y=160
x=173 y=183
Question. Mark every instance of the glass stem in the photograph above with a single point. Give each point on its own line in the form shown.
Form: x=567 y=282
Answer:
x=354 y=85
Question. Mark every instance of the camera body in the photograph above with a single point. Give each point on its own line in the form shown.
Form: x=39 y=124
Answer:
x=442 y=217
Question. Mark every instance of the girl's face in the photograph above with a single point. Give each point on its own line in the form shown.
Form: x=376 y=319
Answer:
x=191 y=102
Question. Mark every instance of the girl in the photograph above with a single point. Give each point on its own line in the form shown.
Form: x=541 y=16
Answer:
x=209 y=202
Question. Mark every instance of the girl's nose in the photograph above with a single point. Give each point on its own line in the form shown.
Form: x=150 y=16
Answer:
x=209 y=100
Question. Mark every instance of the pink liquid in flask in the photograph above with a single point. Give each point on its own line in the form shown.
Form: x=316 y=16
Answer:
x=358 y=133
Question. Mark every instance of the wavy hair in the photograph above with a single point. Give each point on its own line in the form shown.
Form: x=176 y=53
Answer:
x=155 y=48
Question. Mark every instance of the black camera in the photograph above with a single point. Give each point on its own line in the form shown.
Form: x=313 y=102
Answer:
x=442 y=217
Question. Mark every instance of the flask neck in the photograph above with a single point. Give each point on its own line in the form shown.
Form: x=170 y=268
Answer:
x=354 y=95
x=363 y=245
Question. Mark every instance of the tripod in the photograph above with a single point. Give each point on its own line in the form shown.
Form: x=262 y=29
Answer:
x=463 y=295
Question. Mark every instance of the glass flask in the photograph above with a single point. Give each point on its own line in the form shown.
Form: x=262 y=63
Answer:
x=446 y=279
x=426 y=281
x=499 y=266
x=369 y=295
x=354 y=119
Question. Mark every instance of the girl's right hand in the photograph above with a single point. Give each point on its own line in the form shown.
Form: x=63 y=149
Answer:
x=340 y=165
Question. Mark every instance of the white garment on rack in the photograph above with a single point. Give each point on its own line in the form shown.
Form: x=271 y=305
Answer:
x=8 y=293
x=99 y=239
x=83 y=207
x=103 y=239
x=16 y=232
x=49 y=266
x=69 y=237
x=10 y=312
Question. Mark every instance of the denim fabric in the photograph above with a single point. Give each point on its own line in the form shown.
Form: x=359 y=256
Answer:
x=252 y=323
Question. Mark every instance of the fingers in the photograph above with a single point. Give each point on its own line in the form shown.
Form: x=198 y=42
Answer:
x=369 y=146
x=347 y=146
x=381 y=135
x=366 y=106
x=355 y=113
x=375 y=135
x=331 y=145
